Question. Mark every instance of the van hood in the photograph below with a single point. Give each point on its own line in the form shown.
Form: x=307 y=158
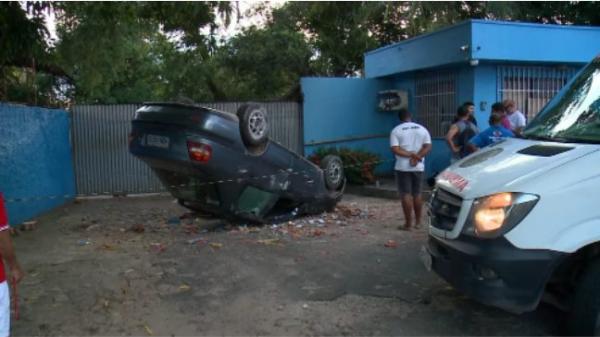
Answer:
x=507 y=166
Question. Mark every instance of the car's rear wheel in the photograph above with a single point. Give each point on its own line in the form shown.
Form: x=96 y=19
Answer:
x=585 y=316
x=254 y=125
x=333 y=172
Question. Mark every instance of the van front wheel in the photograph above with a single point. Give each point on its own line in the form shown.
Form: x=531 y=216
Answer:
x=585 y=316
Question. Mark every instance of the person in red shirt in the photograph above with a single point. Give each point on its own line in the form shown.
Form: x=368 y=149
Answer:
x=7 y=254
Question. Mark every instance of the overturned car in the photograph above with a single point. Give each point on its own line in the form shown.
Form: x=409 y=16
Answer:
x=224 y=165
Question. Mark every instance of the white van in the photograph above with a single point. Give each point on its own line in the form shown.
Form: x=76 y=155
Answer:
x=519 y=221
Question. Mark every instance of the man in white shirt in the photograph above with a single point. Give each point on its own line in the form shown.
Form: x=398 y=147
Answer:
x=514 y=116
x=410 y=142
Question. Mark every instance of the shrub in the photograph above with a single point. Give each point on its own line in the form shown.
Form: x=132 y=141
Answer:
x=359 y=165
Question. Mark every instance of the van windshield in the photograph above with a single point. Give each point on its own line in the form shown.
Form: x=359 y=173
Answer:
x=573 y=115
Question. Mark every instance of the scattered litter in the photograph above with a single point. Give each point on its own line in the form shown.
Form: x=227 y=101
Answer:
x=138 y=228
x=174 y=221
x=84 y=242
x=317 y=232
x=216 y=245
x=108 y=247
x=148 y=330
x=321 y=221
x=391 y=244
x=92 y=227
x=304 y=306
x=158 y=247
x=184 y=287
x=29 y=226
x=198 y=239
x=268 y=242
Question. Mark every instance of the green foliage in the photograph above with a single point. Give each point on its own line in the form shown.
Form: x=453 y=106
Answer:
x=122 y=52
x=359 y=165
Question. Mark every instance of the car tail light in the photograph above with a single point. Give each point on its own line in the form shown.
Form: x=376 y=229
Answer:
x=199 y=152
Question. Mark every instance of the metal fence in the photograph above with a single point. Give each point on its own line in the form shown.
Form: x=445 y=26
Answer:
x=102 y=161
x=435 y=100
x=531 y=87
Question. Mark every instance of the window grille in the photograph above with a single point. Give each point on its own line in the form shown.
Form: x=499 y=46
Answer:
x=435 y=101
x=531 y=87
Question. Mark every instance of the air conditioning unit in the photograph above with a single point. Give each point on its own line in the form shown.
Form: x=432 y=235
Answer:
x=392 y=100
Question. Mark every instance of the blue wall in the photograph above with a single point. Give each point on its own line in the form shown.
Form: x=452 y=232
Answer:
x=339 y=110
x=425 y=51
x=526 y=42
x=35 y=153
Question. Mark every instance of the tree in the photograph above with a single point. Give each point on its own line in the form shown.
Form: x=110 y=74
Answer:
x=117 y=52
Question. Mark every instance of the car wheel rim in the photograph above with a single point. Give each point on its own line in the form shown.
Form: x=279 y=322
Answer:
x=257 y=124
x=335 y=172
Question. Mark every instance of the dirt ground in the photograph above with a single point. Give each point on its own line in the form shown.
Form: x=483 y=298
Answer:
x=131 y=266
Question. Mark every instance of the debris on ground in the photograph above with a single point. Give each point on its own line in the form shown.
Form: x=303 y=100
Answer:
x=268 y=242
x=184 y=287
x=29 y=226
x=157 y=247
x=84 y=242
x=148 y=330
x=173 y=221
x=195 y=240
x=391 y=244
x=138 y=228
x=215 y=245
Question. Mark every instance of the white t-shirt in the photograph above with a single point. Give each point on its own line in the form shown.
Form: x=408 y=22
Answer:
x=516 y=119
x=410 y=137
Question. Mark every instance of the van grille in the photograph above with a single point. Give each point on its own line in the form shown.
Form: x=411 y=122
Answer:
x=444 y=208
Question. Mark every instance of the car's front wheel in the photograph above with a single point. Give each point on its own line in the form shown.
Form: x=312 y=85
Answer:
x=333 y=172
x=254 y=125
x=585 y=316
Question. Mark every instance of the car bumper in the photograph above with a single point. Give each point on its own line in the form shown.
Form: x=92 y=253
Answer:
x=494 y=272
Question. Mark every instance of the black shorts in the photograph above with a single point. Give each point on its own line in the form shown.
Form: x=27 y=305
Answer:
x=409 y=182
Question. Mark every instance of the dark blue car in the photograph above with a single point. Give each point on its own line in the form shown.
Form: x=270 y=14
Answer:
x=223 y=164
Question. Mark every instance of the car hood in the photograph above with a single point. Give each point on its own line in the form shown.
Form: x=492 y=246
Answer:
x=507 y=166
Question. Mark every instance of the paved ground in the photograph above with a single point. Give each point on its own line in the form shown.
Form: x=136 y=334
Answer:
x=92 y=271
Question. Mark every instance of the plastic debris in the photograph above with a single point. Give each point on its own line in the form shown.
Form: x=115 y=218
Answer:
x=268 y=242
x=391 y=244
x=216 y=245
x=304 y=306
x=174 y=221
x=84 y=242
x=148 y=330
x=158 y=247
x=198 y=239
x=184 y=287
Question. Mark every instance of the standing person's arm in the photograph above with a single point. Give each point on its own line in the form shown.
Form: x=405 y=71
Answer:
x=450 y=138
x=426 y=147
x=520 y=124
x=7 y=249
x=8 y=254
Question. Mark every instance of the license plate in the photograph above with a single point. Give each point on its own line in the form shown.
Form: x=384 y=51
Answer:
x=426 y=258
x=157 y=141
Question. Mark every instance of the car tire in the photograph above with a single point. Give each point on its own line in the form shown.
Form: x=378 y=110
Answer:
x=584 y=319
x=333 y=172
x=254 y=125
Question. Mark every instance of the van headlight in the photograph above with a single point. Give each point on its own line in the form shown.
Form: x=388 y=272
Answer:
x=496 y=214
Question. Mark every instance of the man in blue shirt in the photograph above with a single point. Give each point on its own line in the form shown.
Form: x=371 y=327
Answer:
x=495 y=133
